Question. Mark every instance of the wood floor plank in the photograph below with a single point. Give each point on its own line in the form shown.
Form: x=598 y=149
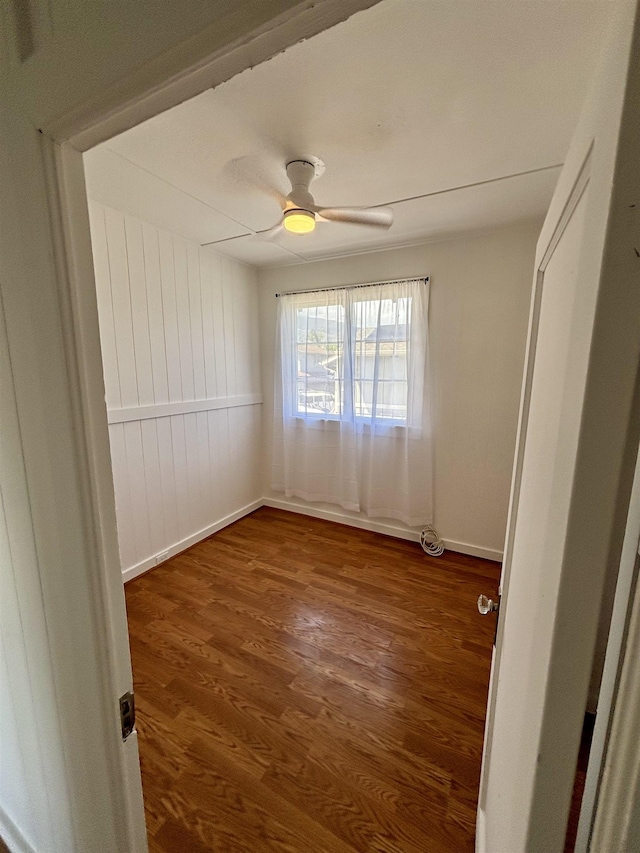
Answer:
x=259 y=818
x=306 y=687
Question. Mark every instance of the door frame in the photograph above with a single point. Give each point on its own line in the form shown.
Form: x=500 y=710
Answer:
x=144 y=94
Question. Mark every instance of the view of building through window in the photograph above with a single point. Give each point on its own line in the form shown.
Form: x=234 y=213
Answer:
x=356 y=362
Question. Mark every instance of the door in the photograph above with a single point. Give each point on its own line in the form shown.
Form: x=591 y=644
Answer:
x=574 y=465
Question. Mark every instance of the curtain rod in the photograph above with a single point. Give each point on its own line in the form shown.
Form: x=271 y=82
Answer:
x=424 y=278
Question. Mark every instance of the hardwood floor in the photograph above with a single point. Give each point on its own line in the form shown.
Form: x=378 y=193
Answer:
x=306 y=687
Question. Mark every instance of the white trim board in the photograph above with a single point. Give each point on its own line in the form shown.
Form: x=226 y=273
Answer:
x=481 y=832
x=12 y=835
x=165 y=410
x=315 y=512
x=380 y=527
x=151 y=562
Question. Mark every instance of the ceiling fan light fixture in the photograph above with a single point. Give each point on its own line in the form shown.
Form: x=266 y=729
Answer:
x=299 y=221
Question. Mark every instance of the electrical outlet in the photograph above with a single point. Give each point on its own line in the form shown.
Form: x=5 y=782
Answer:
x=161 y=557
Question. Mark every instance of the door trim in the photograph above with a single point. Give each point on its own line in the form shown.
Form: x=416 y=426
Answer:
x=70 y=226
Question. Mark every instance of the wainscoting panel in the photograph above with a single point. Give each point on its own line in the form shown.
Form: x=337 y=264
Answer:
x=179 y=336
x=177 y=475
x=177 y=322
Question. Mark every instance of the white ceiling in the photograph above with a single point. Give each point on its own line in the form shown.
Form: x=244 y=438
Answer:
x=456 y=112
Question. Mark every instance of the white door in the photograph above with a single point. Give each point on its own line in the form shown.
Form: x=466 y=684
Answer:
x=574 y=465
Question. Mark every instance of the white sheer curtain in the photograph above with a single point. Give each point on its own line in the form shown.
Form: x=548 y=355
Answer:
x=352 y=423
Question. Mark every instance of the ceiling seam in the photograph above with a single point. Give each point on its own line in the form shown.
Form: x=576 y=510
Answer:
x=188 y=194
x=470 y=186
x=402 y=201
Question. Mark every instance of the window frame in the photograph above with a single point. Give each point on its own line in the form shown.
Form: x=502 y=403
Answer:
x=364 y=421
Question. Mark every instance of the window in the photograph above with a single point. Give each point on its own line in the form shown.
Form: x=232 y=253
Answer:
x=351 y=423
x=352 y=354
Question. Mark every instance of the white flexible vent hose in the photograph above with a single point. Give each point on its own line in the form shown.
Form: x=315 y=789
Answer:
x=431 y=543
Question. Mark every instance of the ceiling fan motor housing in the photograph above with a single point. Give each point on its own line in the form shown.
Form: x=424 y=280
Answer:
x=301 y=173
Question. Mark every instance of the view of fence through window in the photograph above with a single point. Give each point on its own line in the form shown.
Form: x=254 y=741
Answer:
x=355 y=360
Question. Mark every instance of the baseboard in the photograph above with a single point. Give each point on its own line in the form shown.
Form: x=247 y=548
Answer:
x=12 y=836
x=151 y=562
x=473 y=550
x=481 y=832
x=379 y=527
x=315 y=512
x=342 y=518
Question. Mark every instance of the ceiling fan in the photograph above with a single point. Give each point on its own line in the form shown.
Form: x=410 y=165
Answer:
x=300 y=213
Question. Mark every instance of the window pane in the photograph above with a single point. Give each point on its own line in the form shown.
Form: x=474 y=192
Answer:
x=319 y=360
x=391 y=401
x=363 y=398
x=380 y=358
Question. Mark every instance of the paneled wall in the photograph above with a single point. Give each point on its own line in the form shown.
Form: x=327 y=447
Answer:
x=179 y=335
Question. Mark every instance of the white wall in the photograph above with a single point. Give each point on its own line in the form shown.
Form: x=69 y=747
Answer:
x=179 y=334
x=480 y=289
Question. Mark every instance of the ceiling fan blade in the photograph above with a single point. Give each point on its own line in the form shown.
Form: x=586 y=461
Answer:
x=271 y=233
x=378 y=217
x=261 y=172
